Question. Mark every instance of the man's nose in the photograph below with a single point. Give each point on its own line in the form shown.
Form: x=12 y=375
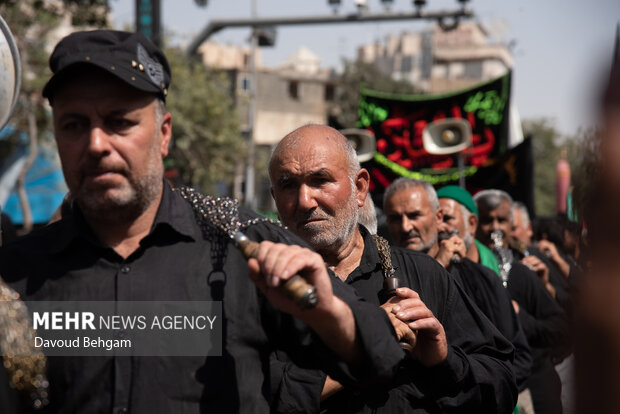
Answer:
x=305 y=198
x=99 y=142
x=495 y=224
x=406 y=225
x=443 y=226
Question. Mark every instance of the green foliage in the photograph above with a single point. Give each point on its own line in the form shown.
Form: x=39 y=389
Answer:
x=546 y=149
x=355 y=75
x=207 y=143
x=548 y=146
x=586 y=171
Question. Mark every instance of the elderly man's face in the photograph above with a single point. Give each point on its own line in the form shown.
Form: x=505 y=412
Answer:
x=519 y=231
x=452 y=217
x=313 y=191
x=412 y=223
x=110 y=145
x=493 y=219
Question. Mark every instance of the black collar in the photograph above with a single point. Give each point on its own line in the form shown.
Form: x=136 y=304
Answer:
x=371 y=261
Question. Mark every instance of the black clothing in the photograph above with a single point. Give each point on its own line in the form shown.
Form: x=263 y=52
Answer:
x=65 y=261
x=9 y=232
x=544 y=323
x=562 y=285
x=547 y=331
x=476 y=377
x=485 y=288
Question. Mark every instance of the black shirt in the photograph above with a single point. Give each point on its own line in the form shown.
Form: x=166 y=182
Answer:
x=485 y=288
x=476 y=377
x=544 y=323
x=65 y=261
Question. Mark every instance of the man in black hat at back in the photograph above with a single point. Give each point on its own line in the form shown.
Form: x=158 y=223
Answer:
x=129 y=237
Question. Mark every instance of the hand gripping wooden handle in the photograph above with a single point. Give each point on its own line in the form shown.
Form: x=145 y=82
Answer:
x=390 y=284
x=296 y=287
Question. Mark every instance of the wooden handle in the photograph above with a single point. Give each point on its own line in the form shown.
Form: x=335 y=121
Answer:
x=296 y=287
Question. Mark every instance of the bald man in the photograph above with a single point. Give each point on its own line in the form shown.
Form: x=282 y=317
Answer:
x=458 y=359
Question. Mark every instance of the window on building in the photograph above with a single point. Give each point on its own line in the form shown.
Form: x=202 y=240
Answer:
x=293 y=89
x=473 y=70
x=329 y=92
x=244 y=83
x=406 y=64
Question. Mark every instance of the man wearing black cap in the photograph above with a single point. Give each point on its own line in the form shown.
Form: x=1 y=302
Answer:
x=129 y=237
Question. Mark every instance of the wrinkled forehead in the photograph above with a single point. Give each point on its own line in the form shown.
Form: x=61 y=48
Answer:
x=451 y=207
x=408 y=200
x=307 y=156
x=502 y=210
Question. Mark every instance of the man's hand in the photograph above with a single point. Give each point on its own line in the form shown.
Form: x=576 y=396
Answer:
x=431 y=345
x=450 y=249
x=275 y=263
x=540 y=268
x=537 y=266
x=331 y=319
x=404 y=334
x=551 y=251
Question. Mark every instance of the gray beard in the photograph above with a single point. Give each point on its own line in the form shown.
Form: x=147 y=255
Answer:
x=339 y=233
x=127 y=207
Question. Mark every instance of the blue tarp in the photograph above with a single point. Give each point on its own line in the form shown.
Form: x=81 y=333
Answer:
x=45 y=186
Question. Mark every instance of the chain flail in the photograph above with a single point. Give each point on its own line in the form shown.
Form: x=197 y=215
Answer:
x=383 y=248
x=25 y=364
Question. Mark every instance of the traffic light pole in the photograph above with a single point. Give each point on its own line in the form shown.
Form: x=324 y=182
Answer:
x=216 y=25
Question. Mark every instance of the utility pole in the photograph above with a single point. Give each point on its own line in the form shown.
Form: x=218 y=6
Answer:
x=250 y=180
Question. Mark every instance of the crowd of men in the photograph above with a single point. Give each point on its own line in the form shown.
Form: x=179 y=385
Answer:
x=454 y=307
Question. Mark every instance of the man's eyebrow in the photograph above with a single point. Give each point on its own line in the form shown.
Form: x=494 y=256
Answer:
x=71 y=115
x=323 y=172
x=284 y=178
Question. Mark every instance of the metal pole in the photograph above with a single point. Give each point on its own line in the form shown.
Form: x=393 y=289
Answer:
x=219 y=24
x=461 y=161
x=250 y=177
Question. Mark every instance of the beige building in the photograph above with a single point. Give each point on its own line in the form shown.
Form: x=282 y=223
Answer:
x=293 y=94
x=439 y=61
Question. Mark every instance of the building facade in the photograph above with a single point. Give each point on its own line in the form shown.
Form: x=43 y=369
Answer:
x=438 y=61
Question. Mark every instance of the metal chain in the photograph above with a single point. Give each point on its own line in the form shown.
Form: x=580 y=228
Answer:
x=383 y=248
x=25 y=364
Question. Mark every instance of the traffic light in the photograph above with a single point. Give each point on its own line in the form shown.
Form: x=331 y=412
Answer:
x=148 y=19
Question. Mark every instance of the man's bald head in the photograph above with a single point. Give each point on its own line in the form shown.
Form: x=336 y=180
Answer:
x=318 y=186
x=323 y=135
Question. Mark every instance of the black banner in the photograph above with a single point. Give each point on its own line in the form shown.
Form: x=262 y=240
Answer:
x=398 y=121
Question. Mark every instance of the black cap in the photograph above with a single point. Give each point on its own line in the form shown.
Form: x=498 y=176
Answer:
x=131 y=57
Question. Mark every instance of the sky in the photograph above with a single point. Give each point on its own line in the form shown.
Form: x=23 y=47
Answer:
x=562 y=48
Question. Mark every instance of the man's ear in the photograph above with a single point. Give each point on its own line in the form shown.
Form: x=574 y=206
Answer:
x=165 y=129
x=472 y=220
x=362 y=184
x=439 y=217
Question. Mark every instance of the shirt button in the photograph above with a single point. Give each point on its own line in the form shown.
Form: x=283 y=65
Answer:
x=125 y=269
